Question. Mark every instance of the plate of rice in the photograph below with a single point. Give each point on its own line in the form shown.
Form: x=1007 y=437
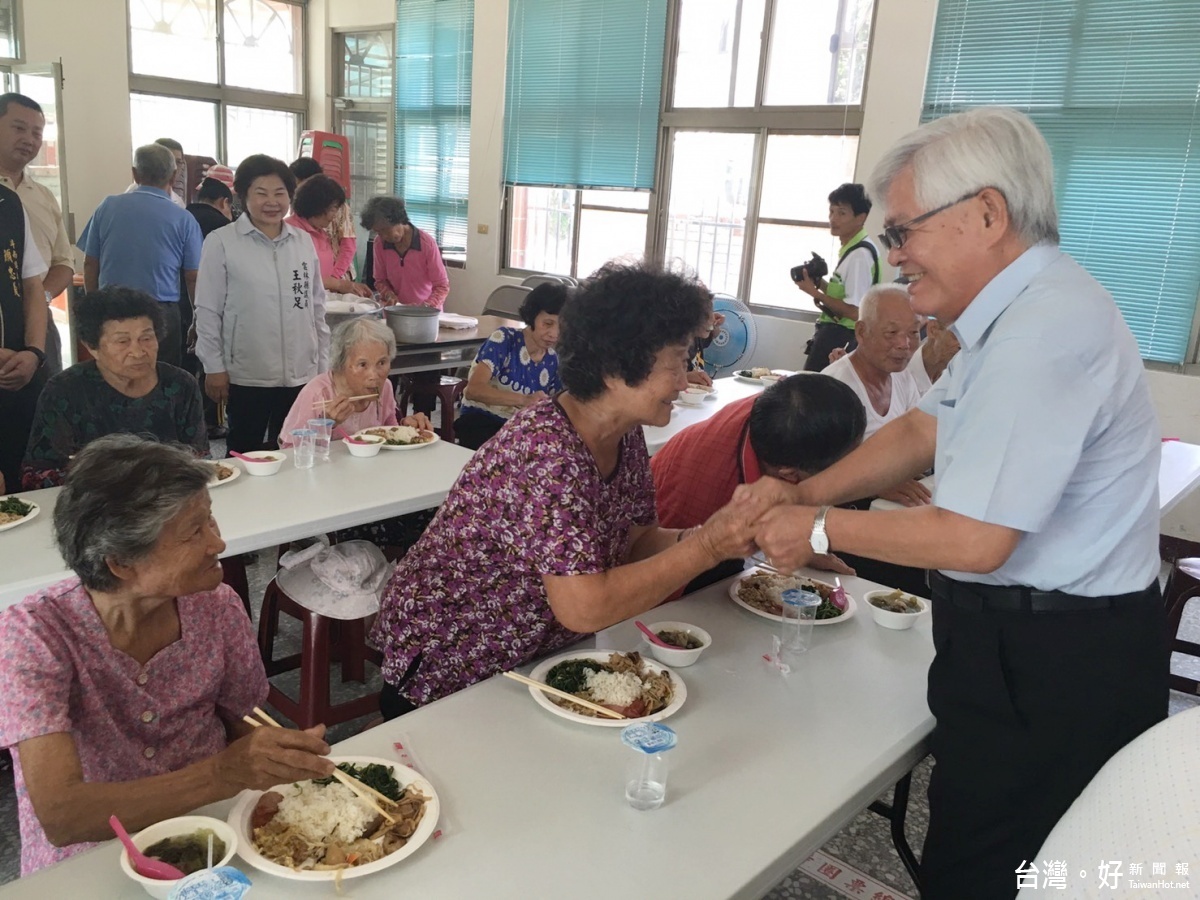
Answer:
x=642 y=689
x=15 y=511
x=400 y=437
x=761 y=592
x=320 y=831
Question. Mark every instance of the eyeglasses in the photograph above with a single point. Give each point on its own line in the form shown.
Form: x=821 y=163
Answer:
x=894 y=236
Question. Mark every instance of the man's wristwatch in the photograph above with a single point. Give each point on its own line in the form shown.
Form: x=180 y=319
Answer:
x=41 y=356
x=819 y=540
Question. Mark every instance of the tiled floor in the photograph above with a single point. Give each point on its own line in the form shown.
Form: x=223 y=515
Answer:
x=864 y=844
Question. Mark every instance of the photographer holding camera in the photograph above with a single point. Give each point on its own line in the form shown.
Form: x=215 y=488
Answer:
x=855 y=273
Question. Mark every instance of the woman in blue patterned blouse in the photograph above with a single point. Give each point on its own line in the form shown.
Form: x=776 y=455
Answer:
x=514 y=369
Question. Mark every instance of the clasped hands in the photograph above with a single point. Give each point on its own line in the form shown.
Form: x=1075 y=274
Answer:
x=765 y=516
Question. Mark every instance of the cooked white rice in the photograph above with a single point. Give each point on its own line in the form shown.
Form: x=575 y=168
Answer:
x=322 y=810
x=617 y=688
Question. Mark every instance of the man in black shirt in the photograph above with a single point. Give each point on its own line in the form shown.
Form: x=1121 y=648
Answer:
x=23 y=317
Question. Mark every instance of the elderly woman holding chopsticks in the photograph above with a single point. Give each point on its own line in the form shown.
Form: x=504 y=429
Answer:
x=125 y=685
x=355 y=392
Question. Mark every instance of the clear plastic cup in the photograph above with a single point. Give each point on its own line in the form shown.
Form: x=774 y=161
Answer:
x=799 y=613
x=303 y=447
x=322 y=430
x=646 y=778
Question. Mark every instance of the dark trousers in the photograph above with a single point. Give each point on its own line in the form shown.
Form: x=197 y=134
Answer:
x=476 y=426
x=827 y=337
x=255 y=416
x=170 y=348
x=16 y=421
x=1029 y=706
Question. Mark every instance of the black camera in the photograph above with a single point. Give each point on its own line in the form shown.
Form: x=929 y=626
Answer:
x=816 y=267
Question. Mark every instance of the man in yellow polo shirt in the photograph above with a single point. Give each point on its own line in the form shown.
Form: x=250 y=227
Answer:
x=856 y=271
x=21 y=124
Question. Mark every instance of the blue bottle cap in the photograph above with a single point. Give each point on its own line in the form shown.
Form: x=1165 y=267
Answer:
x=650 y=737
x=221 y=883
x=801 y=597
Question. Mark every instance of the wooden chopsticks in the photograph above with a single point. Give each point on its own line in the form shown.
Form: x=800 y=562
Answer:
x=359 y=397
x=365 y=793
x=545 y=688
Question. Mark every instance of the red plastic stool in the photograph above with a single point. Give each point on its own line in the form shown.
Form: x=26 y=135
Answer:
x=324 y=641
x=449 y=392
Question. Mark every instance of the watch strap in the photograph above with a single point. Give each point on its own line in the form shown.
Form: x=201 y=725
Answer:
x=40 y=354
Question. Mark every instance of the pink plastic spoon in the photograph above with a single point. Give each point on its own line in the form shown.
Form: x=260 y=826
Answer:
x=143 y=864
x=652 y=637
x=353 y=440
x=250 y=459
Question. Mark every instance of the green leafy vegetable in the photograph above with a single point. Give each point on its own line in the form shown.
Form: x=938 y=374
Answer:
x=570 y=675
x=15 y=507
x=373 y=775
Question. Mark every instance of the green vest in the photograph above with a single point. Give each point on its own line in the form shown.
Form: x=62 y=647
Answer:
x=836 y=289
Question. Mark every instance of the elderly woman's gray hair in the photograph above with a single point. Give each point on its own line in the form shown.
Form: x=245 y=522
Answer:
x=357 y=331
x=384 y=211
x=121 y=491
x=869 y=306
x=154 y=164
x=961 y=154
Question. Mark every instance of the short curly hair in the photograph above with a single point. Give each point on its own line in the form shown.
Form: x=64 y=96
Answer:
x=114 y=304
x=545 y=298
x=258 y=166
x=316 y=195
x=618 y=320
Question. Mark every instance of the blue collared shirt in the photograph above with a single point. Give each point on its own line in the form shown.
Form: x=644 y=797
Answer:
x=143 y=240
x=1045 y=425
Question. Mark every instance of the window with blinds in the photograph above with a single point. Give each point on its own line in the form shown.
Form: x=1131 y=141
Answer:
x=1115 y=89
x=434 y=40
x=583 y=92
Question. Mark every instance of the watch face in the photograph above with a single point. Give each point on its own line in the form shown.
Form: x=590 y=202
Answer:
x=819 y=543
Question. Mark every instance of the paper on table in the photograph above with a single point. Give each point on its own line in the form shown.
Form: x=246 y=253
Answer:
x=457 y=322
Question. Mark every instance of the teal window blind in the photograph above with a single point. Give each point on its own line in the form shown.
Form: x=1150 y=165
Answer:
x=1115 y=88
x=583 y=92
x=433 y=116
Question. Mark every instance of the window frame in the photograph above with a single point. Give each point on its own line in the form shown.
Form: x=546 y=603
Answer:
x=579 y=207
x=18 y=28
x=224 y=95
x=344 y=103
x=761 y=120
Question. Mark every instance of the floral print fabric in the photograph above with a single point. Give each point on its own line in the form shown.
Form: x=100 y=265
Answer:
x=129 y=721
x=468 y=599
x=514 y=369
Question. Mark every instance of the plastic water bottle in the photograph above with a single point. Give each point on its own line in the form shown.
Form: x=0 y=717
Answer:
x=799 y=612
x=646 y=781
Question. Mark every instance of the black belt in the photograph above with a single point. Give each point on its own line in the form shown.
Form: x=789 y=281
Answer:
x=1000 y=598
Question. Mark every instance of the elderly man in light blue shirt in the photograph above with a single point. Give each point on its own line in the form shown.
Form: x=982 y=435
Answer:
x=1043 y=530
x=142 y=240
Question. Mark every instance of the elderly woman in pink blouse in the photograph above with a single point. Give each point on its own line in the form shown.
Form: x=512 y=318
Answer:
x=360 y=356
x=407 y=262
x=318 y=203
x=125 y=685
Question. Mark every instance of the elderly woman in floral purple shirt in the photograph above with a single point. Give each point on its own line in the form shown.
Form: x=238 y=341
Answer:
x=125 y=686
x=550 y=532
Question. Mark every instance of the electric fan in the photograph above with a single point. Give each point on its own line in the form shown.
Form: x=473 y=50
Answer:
x=735 y=339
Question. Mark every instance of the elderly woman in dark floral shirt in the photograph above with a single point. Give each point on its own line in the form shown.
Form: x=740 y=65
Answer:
x=550 y=532
x=123 y=389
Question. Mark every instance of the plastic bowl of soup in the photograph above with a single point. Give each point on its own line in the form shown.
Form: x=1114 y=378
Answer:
x=181 y=827
x=364 y=445
x=689 y=642
x=896 y=609
x=267 y=462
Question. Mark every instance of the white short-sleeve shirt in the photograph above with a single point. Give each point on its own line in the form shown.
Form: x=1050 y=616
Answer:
x=905 y=393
